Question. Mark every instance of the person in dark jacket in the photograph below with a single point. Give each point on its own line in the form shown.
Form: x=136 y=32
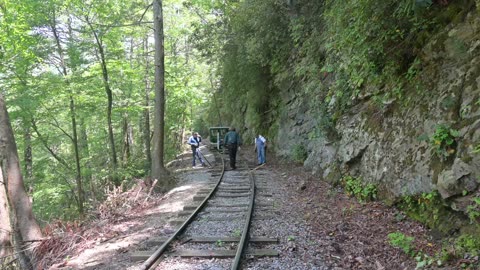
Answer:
x=232 y=141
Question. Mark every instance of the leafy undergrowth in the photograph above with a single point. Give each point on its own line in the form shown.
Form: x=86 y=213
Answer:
x=64 y=238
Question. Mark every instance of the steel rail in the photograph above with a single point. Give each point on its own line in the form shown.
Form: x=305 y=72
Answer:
x=244 y=239
x=153 y=260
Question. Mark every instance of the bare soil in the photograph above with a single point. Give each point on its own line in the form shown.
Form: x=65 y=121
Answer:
x=350 y=234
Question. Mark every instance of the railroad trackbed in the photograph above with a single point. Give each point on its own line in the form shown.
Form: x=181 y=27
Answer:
x=224 y=227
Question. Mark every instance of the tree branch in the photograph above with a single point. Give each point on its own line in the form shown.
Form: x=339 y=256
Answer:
x=61 y=129
x=44 y=142
x=137 y=23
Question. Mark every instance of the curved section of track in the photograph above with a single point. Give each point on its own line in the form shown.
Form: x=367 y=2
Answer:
x=233 y=194
x=153 y=260
x=245 y=234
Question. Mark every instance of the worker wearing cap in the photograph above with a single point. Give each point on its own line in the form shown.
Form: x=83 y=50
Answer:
x=194 y=142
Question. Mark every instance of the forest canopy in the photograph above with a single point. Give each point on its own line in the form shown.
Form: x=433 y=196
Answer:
x=78 y=79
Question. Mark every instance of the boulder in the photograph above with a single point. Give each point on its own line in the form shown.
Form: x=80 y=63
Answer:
x=456 y=180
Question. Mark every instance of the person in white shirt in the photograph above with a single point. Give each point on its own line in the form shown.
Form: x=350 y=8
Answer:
x=260 y=146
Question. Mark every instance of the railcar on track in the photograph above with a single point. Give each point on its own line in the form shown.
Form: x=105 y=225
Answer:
x=216 y=135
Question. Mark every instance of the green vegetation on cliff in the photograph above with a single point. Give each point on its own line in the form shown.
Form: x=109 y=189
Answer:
x=332 y=51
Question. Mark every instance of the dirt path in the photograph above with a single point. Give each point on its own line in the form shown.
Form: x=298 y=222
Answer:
x=330 y=230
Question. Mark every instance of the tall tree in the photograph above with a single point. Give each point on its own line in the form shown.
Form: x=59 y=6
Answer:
x=74 y=137
x=108 y=90
x=146 y=110
x=28 y=228
x=158 y=167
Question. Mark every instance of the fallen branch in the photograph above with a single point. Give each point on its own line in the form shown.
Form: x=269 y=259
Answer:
x=136 y=196
x=150 y=192
x=258 y=167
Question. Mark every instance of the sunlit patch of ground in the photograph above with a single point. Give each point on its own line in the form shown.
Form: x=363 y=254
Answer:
x=132 y=233
x=108 y=243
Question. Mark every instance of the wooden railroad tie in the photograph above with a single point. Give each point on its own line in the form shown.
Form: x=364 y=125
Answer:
x=224 y=253
x=208 y=254
x=190 y=207
x=215 y=205
x=230 y=187
x=235 y=195
x=234 y=190
x=213 y=211
x=198 y=198
x=256 y=217
x=258 y=240
x=143 y=255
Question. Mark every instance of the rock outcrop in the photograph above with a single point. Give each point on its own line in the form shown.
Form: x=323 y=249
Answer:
x=390 y=144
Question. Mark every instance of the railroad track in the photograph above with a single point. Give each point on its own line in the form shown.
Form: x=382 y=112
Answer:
x=218 y=224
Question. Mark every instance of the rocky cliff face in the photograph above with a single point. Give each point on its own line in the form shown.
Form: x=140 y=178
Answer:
x=390 y=143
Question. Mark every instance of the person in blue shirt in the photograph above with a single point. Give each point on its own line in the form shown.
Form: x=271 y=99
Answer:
x=232 y=141
x=260 y=146
x=194 y=142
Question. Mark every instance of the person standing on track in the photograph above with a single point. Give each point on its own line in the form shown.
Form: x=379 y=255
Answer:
x=194 y=142
x=260 y=146
x=232 y=141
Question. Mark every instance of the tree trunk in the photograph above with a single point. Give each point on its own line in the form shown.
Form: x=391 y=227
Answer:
x=127 y=128
x=27 y=225
x=27 y=157
x=146 y=112
x=182 y=133
x=158 y=166
x=85 y=152
x=27 y=152
x=6 y=248
x=126 y=140
x=78 y=174
x=108 y=91
x=216 y=103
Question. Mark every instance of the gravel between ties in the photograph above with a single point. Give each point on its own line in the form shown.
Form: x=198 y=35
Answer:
x=274 y=217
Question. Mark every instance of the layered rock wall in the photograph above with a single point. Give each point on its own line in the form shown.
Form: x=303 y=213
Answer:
x=389 y=144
